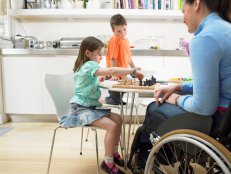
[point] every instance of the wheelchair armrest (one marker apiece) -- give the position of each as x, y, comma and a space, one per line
186, 121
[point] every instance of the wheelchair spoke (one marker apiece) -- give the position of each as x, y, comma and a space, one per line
210, 169
156, 167
195, 152
186, 159
173, 150
165, 156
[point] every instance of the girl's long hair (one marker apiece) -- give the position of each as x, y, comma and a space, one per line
90, 43
222, 7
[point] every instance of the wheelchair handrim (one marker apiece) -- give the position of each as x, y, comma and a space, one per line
186, 138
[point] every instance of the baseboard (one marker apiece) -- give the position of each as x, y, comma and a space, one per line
47, 118
32, 118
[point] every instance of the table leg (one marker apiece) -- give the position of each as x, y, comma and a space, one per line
122, 144
129, 130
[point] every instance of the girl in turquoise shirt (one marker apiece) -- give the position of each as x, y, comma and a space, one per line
85, 102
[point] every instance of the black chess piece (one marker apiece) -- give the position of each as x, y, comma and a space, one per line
149, 82
153, 79
140, 83
146, 82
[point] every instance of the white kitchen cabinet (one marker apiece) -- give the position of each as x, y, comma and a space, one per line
23, 78
22, 85
53, 65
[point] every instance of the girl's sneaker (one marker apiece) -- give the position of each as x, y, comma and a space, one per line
111, 168
118, 160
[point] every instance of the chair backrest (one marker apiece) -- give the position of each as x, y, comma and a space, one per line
60, 87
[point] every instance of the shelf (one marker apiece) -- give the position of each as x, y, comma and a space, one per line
96, 14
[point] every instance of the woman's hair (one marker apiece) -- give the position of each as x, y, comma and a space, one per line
117, 19
91, 44
222, 7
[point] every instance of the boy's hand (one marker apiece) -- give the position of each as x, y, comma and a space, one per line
139, 75
136, 68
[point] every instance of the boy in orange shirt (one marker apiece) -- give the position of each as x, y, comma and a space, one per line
118, 52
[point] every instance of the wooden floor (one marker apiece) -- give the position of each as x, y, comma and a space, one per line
25, 150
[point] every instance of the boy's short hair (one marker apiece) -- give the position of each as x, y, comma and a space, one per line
117, 19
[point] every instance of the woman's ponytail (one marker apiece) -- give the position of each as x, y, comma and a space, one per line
222, 7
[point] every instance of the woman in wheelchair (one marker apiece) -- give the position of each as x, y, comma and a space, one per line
200, 105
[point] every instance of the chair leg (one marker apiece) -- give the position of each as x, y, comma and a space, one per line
121, 149
87, 134
127, 104
51, 150
138, 121
97, 152
81, 145
134, 125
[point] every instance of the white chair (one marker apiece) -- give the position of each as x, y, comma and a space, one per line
60, 88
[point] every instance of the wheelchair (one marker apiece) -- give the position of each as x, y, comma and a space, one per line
183, 145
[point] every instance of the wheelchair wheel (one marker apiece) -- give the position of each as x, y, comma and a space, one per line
188, 152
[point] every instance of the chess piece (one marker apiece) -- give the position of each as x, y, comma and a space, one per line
140, 82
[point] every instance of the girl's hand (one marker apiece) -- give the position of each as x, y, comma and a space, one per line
114, 78
164, 92
102, 78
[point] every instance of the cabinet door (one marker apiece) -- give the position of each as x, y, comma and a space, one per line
22, 85
53, 65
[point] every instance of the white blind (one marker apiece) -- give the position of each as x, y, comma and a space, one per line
2, 10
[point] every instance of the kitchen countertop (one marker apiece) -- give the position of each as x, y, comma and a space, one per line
49, 52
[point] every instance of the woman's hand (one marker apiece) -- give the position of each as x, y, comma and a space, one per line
164, 92
172, 99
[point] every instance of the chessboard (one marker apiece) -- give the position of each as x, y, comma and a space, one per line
135, 85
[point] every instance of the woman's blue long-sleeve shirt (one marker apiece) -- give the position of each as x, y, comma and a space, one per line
210, 51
